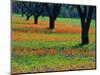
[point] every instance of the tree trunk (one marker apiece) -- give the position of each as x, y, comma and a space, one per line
85, 23
52, 14
84, 33
86, 26
85, 37
22, 14
27, 17
22, 10
51, 25
35, 19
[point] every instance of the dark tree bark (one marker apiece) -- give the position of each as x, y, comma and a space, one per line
51, 23
28, 16
53, 12
35, 12
36, 19
85, 17
22, 10
38, 10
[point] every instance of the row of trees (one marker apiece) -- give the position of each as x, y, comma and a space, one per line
85, 13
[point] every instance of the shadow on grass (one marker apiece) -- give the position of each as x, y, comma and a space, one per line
80, 45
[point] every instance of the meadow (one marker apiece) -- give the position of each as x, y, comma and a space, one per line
35, 48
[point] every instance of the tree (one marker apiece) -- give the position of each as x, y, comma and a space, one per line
22, 9
53, 11
16, 7
34, 9
37, 12
85, 14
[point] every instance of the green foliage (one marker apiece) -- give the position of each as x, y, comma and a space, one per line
68, 11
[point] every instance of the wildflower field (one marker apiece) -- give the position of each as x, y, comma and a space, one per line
35, 48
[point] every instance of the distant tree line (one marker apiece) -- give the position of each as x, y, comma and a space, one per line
66, 11
84, 12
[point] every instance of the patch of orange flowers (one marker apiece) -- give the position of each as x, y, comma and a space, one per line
60, 27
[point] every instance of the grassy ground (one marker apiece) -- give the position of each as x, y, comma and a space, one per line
72, 21
36, 49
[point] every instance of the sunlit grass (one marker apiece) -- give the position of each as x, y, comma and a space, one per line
57, 62
58, 45
72, 21
25, 41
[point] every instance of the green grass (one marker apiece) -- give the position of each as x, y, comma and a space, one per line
72, 21
26, 63
57, 45
37, 60
30, 62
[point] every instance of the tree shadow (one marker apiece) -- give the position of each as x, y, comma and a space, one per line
80, 45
